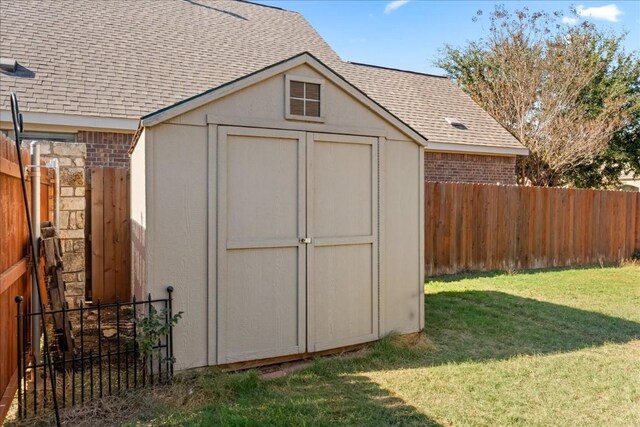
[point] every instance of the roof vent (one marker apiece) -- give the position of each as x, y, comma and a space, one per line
8, 64
455, 123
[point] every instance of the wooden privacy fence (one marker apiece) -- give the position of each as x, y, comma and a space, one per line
494, 227
15, 267
110, 235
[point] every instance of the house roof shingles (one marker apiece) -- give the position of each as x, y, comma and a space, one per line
126, 59
424, 101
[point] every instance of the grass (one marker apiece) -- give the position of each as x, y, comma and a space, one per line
539, 348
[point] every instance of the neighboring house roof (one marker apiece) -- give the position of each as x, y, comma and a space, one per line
129, 58
424, 101
126, 59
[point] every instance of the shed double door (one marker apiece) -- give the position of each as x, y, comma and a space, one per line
297, 242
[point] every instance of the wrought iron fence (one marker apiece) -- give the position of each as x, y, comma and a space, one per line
108, 351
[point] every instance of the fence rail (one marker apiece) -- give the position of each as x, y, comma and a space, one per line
15, 270
110, 354
494, 227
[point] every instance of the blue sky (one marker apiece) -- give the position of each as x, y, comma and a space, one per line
407, 34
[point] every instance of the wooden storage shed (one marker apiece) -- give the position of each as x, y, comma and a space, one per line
286, 208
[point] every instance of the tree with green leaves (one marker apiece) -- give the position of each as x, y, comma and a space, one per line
622, 156
569, 93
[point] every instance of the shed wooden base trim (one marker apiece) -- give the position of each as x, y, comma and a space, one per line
238, 366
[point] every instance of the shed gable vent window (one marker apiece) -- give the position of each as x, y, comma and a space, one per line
304, 98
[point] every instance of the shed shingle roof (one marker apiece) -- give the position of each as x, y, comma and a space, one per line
126, 59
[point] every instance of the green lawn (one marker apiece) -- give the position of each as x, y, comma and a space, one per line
557, 348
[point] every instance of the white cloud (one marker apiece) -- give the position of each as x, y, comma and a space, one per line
610, 12
393, 5
569, 20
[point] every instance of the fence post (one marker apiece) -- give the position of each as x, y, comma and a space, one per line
151, 352
135, 343
18, 301
82, 351
118, 339
170, 292
36, 304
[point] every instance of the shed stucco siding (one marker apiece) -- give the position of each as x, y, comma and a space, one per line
176, 235
401, 278
457, 167
138, 216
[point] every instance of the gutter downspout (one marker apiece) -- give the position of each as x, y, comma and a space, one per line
36, 175
55, 165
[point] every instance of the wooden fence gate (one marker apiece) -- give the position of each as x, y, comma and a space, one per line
110, 235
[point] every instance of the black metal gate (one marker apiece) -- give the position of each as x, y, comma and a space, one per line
117, 347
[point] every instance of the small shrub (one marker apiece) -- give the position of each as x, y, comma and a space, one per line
636, 255
153, 327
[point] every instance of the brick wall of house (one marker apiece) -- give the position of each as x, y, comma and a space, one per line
455, 167
106, 149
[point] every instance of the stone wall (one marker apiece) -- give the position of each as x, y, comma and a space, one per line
455, 167
72, 159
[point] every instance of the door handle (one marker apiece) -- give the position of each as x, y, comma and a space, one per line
306, 240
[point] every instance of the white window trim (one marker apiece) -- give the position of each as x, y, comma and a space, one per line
287, 98
36, 135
